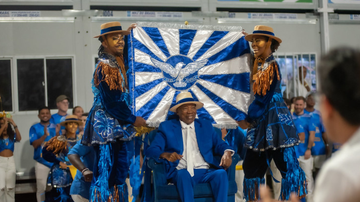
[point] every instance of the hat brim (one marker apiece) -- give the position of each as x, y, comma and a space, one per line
70, 121
250, 36
66, 98
198, 105
123, 32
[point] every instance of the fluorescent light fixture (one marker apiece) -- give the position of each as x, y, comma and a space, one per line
210, 14
344, 22
37, 19
145, 19
79, 13
270, 21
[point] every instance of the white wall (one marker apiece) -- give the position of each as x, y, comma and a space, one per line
344, 35
296, 38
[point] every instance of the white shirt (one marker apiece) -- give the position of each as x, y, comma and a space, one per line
299, 91
199, 161
339, 178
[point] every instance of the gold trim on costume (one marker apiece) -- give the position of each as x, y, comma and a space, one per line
263, 78
112, 75
56, 144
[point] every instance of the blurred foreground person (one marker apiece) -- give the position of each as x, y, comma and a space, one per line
339, 75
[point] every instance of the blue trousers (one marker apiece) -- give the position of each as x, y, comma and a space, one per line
185, 184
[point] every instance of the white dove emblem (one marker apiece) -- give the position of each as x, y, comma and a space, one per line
178, 72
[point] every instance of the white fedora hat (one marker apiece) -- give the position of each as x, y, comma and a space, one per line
185, 98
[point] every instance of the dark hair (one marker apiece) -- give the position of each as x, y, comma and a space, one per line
73, 111
101, 48
85, 114
292, 100
339, 76
302, 68
10, 132
300, 98
44, 107
310, 95
274, 44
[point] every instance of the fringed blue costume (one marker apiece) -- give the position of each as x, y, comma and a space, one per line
56, 151
108, 125
271, 135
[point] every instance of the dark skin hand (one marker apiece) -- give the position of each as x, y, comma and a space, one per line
226, 160
78, 164
172, 157
139, 122
243, 124
39, 141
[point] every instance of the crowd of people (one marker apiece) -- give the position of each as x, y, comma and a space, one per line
84, 156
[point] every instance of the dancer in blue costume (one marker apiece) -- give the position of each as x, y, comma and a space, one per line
271, 132
56, 151
110, 121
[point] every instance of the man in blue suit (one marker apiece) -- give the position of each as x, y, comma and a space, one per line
188, 146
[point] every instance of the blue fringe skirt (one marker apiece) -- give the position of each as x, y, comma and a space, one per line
294, 180
274, 129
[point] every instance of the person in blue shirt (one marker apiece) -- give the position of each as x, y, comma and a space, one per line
82, 156
320, 150
62, 103
39, 134
78, 111
305, 122
236, 139
80, 131
9, 134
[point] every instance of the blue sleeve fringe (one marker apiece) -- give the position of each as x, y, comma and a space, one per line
100, 190
295, 180
63, 196
136, 176
251, 188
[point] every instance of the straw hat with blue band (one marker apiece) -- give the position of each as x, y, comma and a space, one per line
262, 30
71, 119
185, 98
110, 28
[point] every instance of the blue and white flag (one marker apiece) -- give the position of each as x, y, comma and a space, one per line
211, 62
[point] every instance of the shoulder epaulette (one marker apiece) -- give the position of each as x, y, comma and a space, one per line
264, 78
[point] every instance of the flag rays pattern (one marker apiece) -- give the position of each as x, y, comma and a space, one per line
214, 66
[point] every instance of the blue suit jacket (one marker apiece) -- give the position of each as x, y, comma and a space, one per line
169, 139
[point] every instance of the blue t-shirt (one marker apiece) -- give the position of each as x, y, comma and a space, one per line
319, 144
7, 144
36, 132
303, 123
56, 118
87, 156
